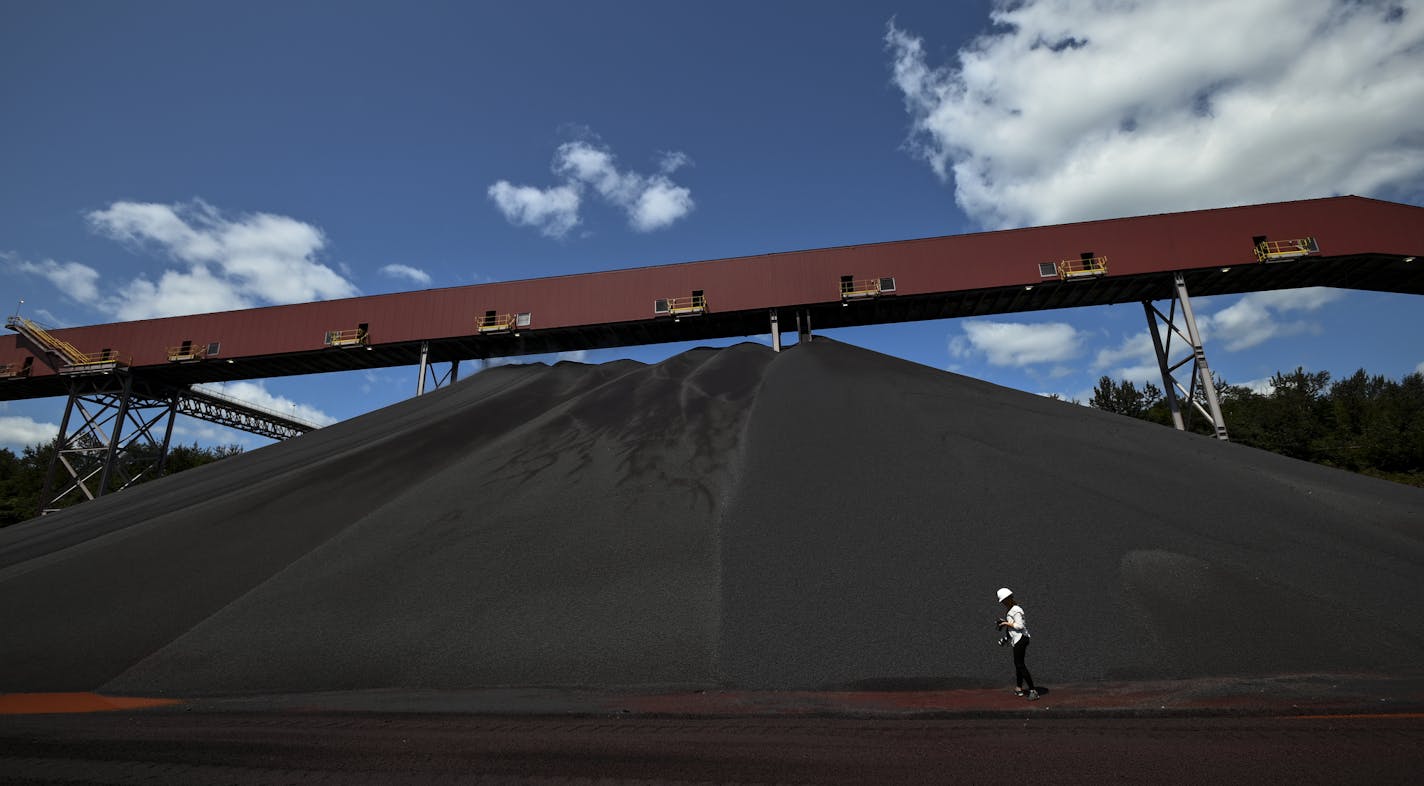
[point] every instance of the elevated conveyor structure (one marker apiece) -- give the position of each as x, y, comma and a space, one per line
1359, 244
1347, 242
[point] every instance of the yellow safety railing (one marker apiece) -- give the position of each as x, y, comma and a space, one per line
867, 287
187, 352
71, 358
1082, 268
48, 342
496, 323
347, 338
106, 357
681, 306
1276, 250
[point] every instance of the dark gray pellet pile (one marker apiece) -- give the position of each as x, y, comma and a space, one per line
823, 518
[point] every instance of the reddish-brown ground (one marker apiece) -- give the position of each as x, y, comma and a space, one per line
359, 748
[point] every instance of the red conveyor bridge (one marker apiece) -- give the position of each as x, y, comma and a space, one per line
1347, 242
1362, 244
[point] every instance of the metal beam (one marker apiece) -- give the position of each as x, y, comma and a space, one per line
95, 458
1200, 388
427, 372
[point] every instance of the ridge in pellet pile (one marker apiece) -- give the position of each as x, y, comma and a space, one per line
826, 517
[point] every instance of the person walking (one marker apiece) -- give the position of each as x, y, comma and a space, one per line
1013, 624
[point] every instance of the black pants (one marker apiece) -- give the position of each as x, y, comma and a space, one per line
1021, 675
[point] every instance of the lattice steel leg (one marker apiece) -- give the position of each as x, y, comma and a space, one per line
95, 458
1200, 380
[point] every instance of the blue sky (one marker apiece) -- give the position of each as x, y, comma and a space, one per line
161, 158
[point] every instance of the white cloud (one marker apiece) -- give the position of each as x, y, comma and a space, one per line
1017, 344
1078, 109
256, 394
553, 210
1260, 317
18, 432
406, 271
197, 291
650, 201
1262, 387
254, 259
187, 429
75, 281
659, 205
48, 319
671, 161
1419, 369
1134, 348
227, 263
1133, 360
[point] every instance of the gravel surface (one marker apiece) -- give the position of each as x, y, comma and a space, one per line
823, 518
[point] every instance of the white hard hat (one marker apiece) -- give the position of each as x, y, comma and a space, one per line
1004, 592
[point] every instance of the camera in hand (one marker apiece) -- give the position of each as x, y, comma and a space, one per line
1003, 632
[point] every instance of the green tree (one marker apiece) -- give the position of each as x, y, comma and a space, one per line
1124, 398
1364, 423
1295, 421
22, 477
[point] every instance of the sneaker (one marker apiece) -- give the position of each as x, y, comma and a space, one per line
1033, 695
1018, 691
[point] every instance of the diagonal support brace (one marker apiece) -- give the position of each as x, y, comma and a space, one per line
1200, 388
427, 372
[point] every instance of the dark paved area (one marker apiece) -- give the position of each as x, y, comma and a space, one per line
241, 748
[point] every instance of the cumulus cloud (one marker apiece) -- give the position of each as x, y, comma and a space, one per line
77, 282
230, 262
1134, 359
554, 211
226, 263
256, 394
406, 271
1262, 316
1017, 344
659, 205
1078, 109
650, 201
18, 432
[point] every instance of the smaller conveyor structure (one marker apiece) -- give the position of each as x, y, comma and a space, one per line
117, 425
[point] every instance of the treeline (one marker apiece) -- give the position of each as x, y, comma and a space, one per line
1363, 423
22, 476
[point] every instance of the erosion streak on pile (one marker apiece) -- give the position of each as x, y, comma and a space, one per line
826, 517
